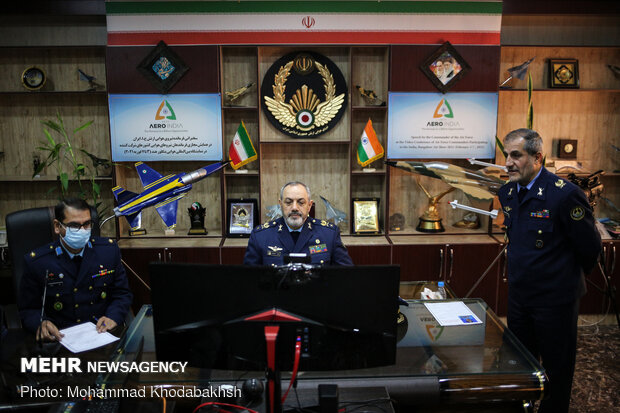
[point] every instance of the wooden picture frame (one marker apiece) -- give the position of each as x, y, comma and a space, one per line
162, 67
564, 73
445, 67
365, 216
241, 217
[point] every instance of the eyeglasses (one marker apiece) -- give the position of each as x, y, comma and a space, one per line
75, 227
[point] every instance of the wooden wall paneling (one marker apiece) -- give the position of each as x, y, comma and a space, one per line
591, 117
369, 70
419, 262
231, 120
340, 56
370, 254
60, 65
233, 251
45, 30
359, 118
561, 29
406, 76
20, 120
593, 70
124, 77
239, 66
407, 198
207, 192
323, 167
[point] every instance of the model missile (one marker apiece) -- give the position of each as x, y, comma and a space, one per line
455, 204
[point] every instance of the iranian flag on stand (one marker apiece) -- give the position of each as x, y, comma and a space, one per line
369, 148
241, 150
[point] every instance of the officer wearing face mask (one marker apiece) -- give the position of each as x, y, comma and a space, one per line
296, 232
82, 277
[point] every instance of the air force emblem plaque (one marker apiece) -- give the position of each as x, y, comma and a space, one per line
304, 94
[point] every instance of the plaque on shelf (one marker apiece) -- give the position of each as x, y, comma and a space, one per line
242, 217
567, 148
564, 73
33, 78
365, 216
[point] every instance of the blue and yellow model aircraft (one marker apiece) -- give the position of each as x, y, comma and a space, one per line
163, 192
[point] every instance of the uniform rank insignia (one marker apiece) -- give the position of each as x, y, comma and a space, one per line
540, 191
560, 183
577, 213
315, 249
540, 214
510, 192
274, 251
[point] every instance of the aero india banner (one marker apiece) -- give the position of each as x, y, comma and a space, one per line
166, 127
434, 125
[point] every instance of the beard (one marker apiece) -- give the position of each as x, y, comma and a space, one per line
294, 220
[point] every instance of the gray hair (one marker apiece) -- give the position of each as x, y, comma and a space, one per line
533, 141
294, 183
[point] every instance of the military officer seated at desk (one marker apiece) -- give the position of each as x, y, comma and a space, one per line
296, 232
82, 277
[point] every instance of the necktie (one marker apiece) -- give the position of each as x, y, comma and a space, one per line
295, 235
522, 193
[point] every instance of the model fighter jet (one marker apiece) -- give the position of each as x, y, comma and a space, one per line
475, 184
162, 191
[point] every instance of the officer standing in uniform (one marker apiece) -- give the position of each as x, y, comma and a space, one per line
552, 243
82, 277
295, 232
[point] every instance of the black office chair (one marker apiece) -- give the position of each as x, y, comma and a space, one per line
26, 230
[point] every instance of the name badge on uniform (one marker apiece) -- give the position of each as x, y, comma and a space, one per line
315, 249
540, 214
274, 251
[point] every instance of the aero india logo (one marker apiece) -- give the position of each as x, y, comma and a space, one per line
443, 110
165, 111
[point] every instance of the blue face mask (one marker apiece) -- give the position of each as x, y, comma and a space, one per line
76, 240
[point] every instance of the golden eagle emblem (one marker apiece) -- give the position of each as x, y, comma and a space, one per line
307, 112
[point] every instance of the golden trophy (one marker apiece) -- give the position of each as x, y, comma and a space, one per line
430, 220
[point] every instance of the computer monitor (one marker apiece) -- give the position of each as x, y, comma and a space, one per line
213, 316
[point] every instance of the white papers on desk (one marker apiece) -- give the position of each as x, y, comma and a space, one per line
452, 313
84, 337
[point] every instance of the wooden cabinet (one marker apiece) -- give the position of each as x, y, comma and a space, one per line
459, 262
137, 254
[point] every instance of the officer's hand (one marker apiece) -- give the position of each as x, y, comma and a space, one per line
47, 331
105, 324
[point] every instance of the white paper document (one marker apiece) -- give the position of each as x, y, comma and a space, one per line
452, 313
84, 337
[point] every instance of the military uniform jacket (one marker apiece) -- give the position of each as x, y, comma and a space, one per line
76, 293
552, 241
321, 240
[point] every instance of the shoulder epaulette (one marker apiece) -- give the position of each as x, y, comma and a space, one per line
103, 241
268, 224
323, 223
41, 251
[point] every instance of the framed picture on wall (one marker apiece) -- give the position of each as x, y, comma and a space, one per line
564, 73
162, 67
242, 217
445, 67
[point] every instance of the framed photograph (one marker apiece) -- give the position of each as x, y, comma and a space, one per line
365, 216
445, 67
564, 73
162, 67
242, 217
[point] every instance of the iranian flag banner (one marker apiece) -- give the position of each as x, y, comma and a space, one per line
369, 148
241, 150
133, 23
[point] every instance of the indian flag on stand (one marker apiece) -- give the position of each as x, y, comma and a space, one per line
241, 150
369, 148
